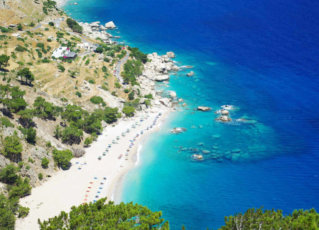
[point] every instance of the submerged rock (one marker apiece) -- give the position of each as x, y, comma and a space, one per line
170, 54
223, 118
178, 130
190, 74
198, 157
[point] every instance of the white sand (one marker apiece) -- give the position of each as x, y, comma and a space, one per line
76, 186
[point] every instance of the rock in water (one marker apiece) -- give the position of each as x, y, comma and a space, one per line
172, 94
190, 74
178, 130
170, 54
197, 157
110, 25
204, 108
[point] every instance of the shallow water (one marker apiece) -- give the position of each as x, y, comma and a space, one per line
260, 56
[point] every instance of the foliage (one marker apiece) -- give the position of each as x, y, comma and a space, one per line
77, 93
138, 55
131, 95
132, 69
20, 189
20, 48
62, 158
26, 118
45, 163
101, 215
110, 115
128, 111
61, 68
4, 60
97, 100
74, 25
26, 74
12, 148
12, 98
149, 96
5, 122
99, 50
9, 174
88, 141
72, 135
49, 5
40, 176
7, 213
31, 135
23, 211
271, 219
44, 109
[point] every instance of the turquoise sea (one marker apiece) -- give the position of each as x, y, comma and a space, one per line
260, 56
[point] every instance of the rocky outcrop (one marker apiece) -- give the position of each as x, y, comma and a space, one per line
78, 152
159, 67
110, 25
94, 30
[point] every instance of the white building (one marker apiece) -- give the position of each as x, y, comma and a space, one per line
63, 52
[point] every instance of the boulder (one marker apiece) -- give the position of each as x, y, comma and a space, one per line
172, 94
224, 118
78, 152
190, 74
204, 108
170, 54
197, 157
178, 130
165, 102
161, 78
110, 25
224, 112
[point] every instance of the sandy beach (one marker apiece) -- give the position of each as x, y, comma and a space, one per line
97, 173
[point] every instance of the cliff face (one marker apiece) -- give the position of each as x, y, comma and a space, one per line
22, 11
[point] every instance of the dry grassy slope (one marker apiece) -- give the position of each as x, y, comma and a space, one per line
50, 82
20, 11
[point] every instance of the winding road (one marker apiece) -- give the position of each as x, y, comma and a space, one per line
119, 64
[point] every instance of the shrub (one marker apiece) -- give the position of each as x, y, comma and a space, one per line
9, 174
31, 135
40, 176
109, 215
74, 25
45, 163
131, 96
117, 85
23, 211
12, 148
77, 93
51, 23
88, 141
72, 135
97, 100
61, 68
91, 81
5, 122
128, 111
20, 48
62, 158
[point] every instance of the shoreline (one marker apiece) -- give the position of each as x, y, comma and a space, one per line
89, 178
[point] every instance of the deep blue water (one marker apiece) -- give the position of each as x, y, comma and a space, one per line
260, 56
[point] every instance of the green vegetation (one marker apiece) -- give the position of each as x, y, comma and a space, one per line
128, 111
132, 69
138, 55
5, 122
25, 118
77, 93
7, 213
44, 109
12, 148
131, 95
97, 100
4, 60
74, 25
62, 158
12, 98
72, 135
25, 76
88, 141
101, 215
61, 68
48, 6
271, 219
45, 163
20, 48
